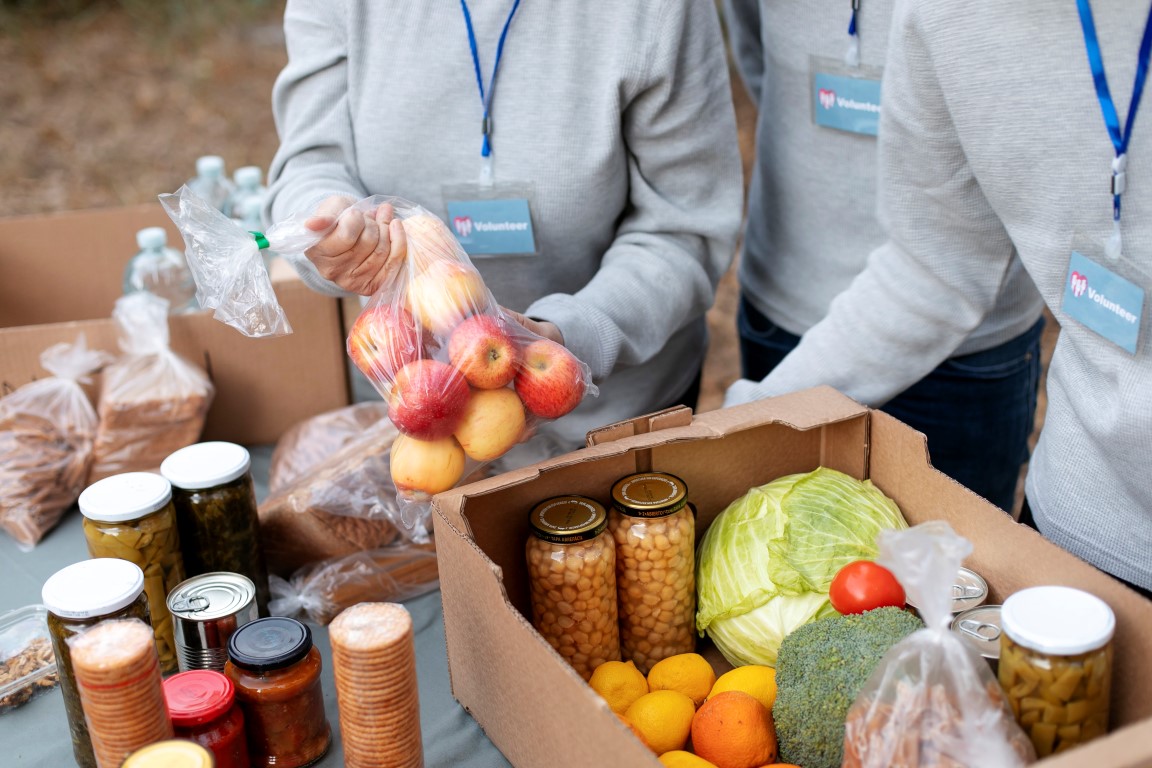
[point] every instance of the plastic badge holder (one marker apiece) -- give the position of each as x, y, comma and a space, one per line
27, 664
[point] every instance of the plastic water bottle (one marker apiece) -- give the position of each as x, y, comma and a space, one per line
212, 184
161, 271
248, 200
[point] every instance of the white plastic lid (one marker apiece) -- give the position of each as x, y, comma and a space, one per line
205, 465
1057, 620
92, 588
151, 238
123, 497
210, 165
248, 176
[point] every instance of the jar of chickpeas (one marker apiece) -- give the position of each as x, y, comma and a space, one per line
1056, 665
655, 532
572, 574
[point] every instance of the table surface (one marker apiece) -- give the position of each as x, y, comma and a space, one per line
36, 734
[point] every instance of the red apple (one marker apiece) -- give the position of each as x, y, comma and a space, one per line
444, 294
483, 350
422, 468
383, 340
493, 422
550, 379
427, 399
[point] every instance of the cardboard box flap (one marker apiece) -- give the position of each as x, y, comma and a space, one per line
677, 416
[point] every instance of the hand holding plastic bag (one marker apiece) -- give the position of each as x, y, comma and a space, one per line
932, 701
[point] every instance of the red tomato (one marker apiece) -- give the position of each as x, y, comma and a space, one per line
864, 585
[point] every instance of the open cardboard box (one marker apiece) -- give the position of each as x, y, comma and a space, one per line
60, 275
539, 712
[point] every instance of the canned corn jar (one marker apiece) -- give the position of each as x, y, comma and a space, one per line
655, 533
572, 576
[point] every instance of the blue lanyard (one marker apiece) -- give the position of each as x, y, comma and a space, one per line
486, 99
852, 58
1107, 106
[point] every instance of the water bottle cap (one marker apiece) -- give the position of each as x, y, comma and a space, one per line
248, 176
151, 238
210, 165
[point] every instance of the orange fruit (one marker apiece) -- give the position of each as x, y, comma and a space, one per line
734, 730
619, 683
664, 718
634, 729
754, 679
678, 758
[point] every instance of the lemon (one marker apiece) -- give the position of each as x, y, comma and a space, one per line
754, 679
619, 683
678, 758
688, 673
664, 719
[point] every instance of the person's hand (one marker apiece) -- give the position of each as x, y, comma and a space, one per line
363, 249
539, 327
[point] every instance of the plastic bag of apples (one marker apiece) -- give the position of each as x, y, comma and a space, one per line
464, 381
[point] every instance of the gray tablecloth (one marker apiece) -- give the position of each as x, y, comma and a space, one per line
36, 734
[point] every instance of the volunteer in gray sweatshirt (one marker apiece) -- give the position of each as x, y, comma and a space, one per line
611, 131
812, 222
993, 143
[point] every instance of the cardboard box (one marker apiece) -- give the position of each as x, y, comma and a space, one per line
61, 274
539, 712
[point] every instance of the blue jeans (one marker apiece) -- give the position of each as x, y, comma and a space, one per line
976, 410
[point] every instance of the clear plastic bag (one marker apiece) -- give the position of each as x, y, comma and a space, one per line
320, 591
932, 702
313, 440
231, 278
153, 401
46, 433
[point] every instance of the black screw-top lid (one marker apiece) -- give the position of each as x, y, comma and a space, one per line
270, 643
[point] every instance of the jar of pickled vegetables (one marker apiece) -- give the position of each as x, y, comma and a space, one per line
203, 708
216, 510
655, 532
1056, 665
130, 516
276, 671
572, 578
79, 597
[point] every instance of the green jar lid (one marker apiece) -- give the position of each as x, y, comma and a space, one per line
568, 519
649, 494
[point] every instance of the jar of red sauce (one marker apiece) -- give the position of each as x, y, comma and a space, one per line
203, 708
276, 671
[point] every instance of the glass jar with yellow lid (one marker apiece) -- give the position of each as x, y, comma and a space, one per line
1056, 664
655, 532
572, 579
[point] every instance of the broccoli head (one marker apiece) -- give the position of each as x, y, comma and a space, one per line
820, 670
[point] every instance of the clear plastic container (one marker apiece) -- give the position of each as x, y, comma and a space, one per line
130, 516
1056, 665
248, 199
572, 576
212, 184
655, 532
161, 271
27, 663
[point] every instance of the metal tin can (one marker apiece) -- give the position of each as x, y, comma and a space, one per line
980, 628
968, 590
206, 610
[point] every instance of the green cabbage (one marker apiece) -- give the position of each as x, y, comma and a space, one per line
765, 564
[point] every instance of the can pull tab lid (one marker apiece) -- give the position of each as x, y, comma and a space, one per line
981, 630
965, 591
192, 604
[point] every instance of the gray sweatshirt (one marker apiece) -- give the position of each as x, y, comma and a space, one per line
619, 117
812, 199
992, 142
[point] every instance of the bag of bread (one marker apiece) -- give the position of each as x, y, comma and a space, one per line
313, 440
932, 702
46, 433
153, 402
320, 591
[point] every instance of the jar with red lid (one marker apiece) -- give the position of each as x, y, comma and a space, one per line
276, 671
203, 708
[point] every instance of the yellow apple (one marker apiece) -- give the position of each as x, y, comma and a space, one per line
422, 468
446, 293
493, 422
429, 240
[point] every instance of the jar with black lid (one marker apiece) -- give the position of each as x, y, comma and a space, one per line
215, 504
79, 597
655, 532
276, 671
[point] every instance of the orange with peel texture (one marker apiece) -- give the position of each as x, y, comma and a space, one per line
634, 729
755, 679
734, 730
619, 683
678, 758
689, 673
664, 719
